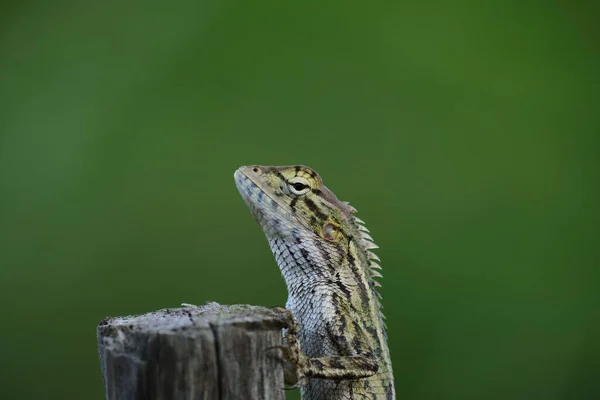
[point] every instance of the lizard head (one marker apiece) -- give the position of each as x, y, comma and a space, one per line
291, 200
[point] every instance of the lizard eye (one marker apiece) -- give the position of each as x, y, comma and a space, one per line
298, 186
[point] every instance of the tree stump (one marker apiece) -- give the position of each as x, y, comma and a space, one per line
210, 352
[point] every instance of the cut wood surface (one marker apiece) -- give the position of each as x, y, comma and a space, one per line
211, 352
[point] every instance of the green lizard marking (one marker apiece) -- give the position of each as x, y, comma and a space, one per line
338, 347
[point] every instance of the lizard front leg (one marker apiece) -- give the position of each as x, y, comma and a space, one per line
359, 363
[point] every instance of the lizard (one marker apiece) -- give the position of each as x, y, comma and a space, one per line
336, 346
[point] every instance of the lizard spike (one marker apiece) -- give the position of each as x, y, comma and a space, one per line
363, 228
369, 245
376, 284
374, 265
373, 256
365, 235
360, 221
376, 274
347, 204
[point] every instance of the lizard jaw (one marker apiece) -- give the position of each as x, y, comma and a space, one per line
268, 209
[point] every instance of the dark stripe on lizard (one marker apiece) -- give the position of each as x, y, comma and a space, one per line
315, 209
343, 288
358, 277
280, 176
326, 257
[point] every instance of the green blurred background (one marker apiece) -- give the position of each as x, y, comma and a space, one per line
465, 132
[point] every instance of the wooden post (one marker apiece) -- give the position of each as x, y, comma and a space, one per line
210, 352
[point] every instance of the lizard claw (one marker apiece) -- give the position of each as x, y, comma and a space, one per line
301, 382
292, 370
286, 315
295, 362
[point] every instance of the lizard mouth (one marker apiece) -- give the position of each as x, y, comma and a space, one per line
261, 201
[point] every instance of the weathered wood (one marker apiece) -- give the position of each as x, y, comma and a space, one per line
208, 352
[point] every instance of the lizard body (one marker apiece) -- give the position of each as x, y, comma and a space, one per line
338, 349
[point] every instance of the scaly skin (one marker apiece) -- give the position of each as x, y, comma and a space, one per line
338, 349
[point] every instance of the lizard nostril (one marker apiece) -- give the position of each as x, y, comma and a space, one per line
255, 169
